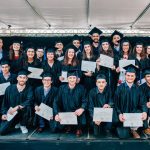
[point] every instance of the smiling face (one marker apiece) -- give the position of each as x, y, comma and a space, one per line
95, 37
125, 47
30, 53
5, 69
71, 53
105, 46
130, 77
115, 39
47, 81
147, 78
16, 46
148, 50
40, 53
139, 49
59, 46
87, 49
72, 80
50, 56
22, 79
76, 43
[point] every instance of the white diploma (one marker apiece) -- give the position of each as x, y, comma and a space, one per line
68, 118
64, 75
3, 87
103, 114
9, 116
133, 120
125, 62
45, 111
35, 73
60, 58
106, 61
88, 66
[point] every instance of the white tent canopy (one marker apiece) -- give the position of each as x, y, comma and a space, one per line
74, 14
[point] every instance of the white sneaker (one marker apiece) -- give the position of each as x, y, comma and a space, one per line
17, 126
24, 130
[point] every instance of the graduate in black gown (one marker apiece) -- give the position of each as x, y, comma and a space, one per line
45, 94
147, 60
88, 78
53, 66
30, 60
6, 76
15, 56
70, 62
106, 49
95, 37
40, 54
18, 97
100, 97
71, 98
145, 91
128, 99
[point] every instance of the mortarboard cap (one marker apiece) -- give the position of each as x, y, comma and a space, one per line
131, 68
72, 73
146, 71
50, 50
104, 39
23, 72
101, 76
5, 62
46, 74
86, 43
76, 37
95, 30
116, 33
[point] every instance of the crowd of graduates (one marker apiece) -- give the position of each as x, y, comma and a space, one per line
120, 89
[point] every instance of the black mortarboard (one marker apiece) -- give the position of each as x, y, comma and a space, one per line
46, 74
50, 50
116, 33
30, 47
23, 72
139, 43
58, 41
146, 71
17, 41
5, 62
86, 43
104, 39
76, 37
124, 40
95, 30
101, 76
131, 68
72, 73
70, 46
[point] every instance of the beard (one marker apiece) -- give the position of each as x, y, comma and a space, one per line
21, 83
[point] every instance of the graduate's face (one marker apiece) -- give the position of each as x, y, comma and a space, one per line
50, 56
148, 50
16, 46
125, 47
95, 37
72, 80
30, 53
59, 46
147, 78
1, 43
47, 81
101, 84
87, 49
40, 53
5, 68
76, 43
105, 46
22, 79
115, 40
130, 77
139, 49
71, 53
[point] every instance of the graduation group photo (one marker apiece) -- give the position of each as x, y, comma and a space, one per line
75, 83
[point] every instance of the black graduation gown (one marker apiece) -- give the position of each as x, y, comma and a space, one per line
96, 50
12, 79
145, 92
13, 98
55, 70
41, 98
147, 62
36, 64
69, 100
88, 82
128, 100
97, 99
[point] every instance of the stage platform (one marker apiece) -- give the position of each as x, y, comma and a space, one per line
62, 141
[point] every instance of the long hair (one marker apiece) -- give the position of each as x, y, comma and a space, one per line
129, 51
109, 52
84, 56
142, 55
12, 54
74, 61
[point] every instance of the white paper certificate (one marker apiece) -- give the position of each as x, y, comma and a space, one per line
106, 61
9, 116
45, 111
125, 62
103, 114
3, 87
64, 75
68, 118
60, 58
133, 120
35, 73
88, 66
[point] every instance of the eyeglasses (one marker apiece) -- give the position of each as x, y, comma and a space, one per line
46, 80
